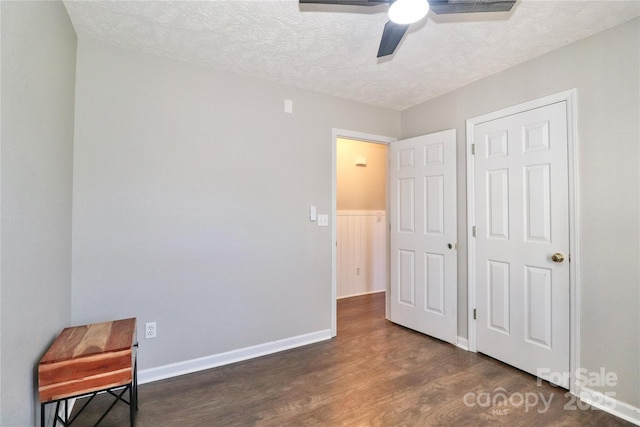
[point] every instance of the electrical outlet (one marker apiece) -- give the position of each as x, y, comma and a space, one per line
150, 330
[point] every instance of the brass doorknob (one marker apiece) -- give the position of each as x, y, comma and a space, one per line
557, 257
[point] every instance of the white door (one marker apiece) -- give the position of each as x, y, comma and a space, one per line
422, 213
522, 236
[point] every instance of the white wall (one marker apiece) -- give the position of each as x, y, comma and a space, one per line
191, 196
361, 188
605, 71
38, 69
361, 253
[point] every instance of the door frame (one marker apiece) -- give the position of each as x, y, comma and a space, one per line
359, 136
569, 97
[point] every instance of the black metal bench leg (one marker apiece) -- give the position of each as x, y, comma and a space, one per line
132, 406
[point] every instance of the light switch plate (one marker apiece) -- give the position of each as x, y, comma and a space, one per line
323, 220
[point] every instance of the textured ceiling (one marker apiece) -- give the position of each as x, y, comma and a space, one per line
332, 49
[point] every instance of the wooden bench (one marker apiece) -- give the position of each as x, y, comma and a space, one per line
86, 360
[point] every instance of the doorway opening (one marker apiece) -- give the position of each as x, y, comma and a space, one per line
361, 231
359, 224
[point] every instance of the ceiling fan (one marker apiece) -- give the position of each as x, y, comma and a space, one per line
403, 13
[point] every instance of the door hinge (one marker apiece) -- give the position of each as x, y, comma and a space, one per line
473, 231
474, 314
473, 149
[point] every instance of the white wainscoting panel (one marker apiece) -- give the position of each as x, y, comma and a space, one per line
361, 252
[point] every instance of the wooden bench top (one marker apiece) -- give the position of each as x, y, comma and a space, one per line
87, 358
86, 340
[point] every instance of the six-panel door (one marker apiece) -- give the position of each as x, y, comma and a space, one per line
422, 177
522, 214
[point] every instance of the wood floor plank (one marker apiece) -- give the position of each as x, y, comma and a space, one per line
374, 373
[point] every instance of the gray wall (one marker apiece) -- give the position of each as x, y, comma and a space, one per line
38, 69
605, 71
191, 196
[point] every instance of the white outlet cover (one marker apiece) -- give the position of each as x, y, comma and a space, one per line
150, 330
323, 220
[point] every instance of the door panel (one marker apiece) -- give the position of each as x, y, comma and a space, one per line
406, 205
434, 267
522, 213
538, 306
499, 306
423, 222
434, 208
406, 277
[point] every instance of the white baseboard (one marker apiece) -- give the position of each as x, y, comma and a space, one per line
611, 405
215, 360
51, 413
463, 343
362, 213
363, 293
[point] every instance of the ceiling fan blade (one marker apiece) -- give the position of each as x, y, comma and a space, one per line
470, 6
391, 37
347, 2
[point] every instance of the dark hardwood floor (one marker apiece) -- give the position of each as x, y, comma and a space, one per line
374, 373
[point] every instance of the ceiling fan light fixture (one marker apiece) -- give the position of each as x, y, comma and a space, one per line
406, 12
